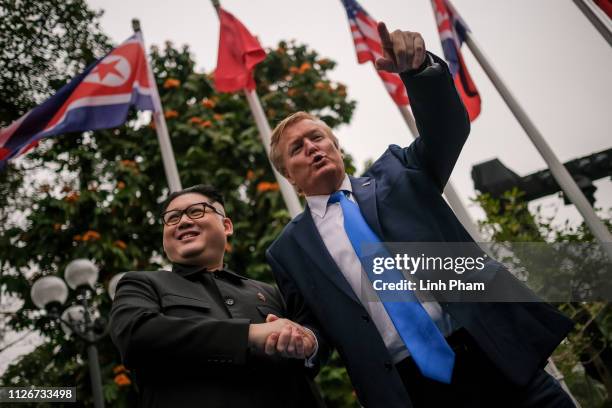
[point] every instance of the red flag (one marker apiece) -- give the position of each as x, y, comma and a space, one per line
369, 47
606, 6
239, 52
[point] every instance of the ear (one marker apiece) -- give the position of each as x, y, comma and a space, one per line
292, 181
228, 226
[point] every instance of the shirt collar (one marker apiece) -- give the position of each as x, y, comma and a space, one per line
318, 203
189, 271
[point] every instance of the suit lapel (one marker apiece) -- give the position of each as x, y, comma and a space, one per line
364, 189
307, 237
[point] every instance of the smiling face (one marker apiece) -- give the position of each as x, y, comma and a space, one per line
311, 160
197, 242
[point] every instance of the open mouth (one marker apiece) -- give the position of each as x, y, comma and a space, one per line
187, 234
319, 160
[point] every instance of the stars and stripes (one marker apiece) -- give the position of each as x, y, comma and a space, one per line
369, 48
98, 98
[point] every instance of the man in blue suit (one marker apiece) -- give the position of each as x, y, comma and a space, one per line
405, 354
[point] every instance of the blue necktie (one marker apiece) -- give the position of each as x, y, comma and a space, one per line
428, 348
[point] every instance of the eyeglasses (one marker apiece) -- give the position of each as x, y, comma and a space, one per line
194, 211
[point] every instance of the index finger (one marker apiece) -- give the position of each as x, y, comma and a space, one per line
385, 38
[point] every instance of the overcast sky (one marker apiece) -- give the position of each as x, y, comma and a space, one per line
554, 61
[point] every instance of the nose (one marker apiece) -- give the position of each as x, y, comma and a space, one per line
184, 222
309, 146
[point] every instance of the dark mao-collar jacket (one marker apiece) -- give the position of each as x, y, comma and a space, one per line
183, 334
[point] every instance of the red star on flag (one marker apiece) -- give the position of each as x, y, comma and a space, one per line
104, 69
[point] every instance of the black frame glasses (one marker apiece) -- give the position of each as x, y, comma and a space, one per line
191, 214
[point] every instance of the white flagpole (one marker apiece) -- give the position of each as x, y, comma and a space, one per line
449, 191
174, 182
287, 190
559, 172
597, 17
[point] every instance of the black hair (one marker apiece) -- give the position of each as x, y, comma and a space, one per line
204, 189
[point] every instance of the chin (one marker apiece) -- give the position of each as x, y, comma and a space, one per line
327, 178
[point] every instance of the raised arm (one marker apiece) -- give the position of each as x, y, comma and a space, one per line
440, 116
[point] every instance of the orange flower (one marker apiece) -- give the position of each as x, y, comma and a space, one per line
195, 120
122, 380
128, 163
305, 67
294, 70
66, 189
271, 113
119, 369
323, 61
77, 238
57, 227
44, 188
341, 89
208, 103
218, 116
120, 244
250, 175
120, 185
91, 236
72, 197
152, 124
291, 92
266, 186
169, 114
320, 85
206, 124
171, 83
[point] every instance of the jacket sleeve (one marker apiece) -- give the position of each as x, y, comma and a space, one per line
147, 338
441, 119
298, 311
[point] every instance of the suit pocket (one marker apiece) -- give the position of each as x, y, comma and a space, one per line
170, 301
266, 310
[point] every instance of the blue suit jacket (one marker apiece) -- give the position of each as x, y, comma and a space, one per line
400, 198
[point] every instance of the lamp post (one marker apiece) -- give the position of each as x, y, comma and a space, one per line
50, 293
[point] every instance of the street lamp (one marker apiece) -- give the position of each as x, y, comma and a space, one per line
50, 293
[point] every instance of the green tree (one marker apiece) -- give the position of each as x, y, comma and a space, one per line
101, 193
585, 359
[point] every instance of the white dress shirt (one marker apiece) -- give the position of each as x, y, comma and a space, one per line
329, 221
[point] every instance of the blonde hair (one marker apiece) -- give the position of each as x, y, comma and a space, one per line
275, 155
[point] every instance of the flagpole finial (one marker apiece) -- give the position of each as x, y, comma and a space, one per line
136, 25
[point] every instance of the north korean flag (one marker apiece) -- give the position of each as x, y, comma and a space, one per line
99, 98
452, 31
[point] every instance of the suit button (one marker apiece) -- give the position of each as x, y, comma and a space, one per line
365, 318
388, 365
229, 301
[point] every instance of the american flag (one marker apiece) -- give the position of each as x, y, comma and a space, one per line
369, 48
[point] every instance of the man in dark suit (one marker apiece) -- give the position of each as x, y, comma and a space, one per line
202, 335
431, 354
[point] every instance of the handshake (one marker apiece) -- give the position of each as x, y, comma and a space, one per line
282, 338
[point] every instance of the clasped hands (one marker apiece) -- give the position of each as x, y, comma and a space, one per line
281, 337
